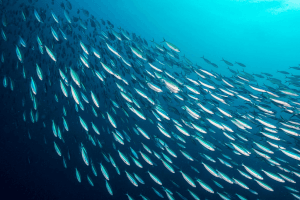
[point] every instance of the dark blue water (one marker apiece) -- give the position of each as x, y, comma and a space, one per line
261, 34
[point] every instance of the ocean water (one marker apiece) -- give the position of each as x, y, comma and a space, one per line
261, 34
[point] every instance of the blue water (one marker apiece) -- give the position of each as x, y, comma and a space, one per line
264, 35
251, 33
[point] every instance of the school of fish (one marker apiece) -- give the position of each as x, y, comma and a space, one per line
152, 104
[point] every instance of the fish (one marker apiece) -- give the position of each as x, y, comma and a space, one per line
146, 102
240, 64
84, 154
227, 62
154, 178
283, 72
171, 46
57, 149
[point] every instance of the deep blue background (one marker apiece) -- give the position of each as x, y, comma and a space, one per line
265, 40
